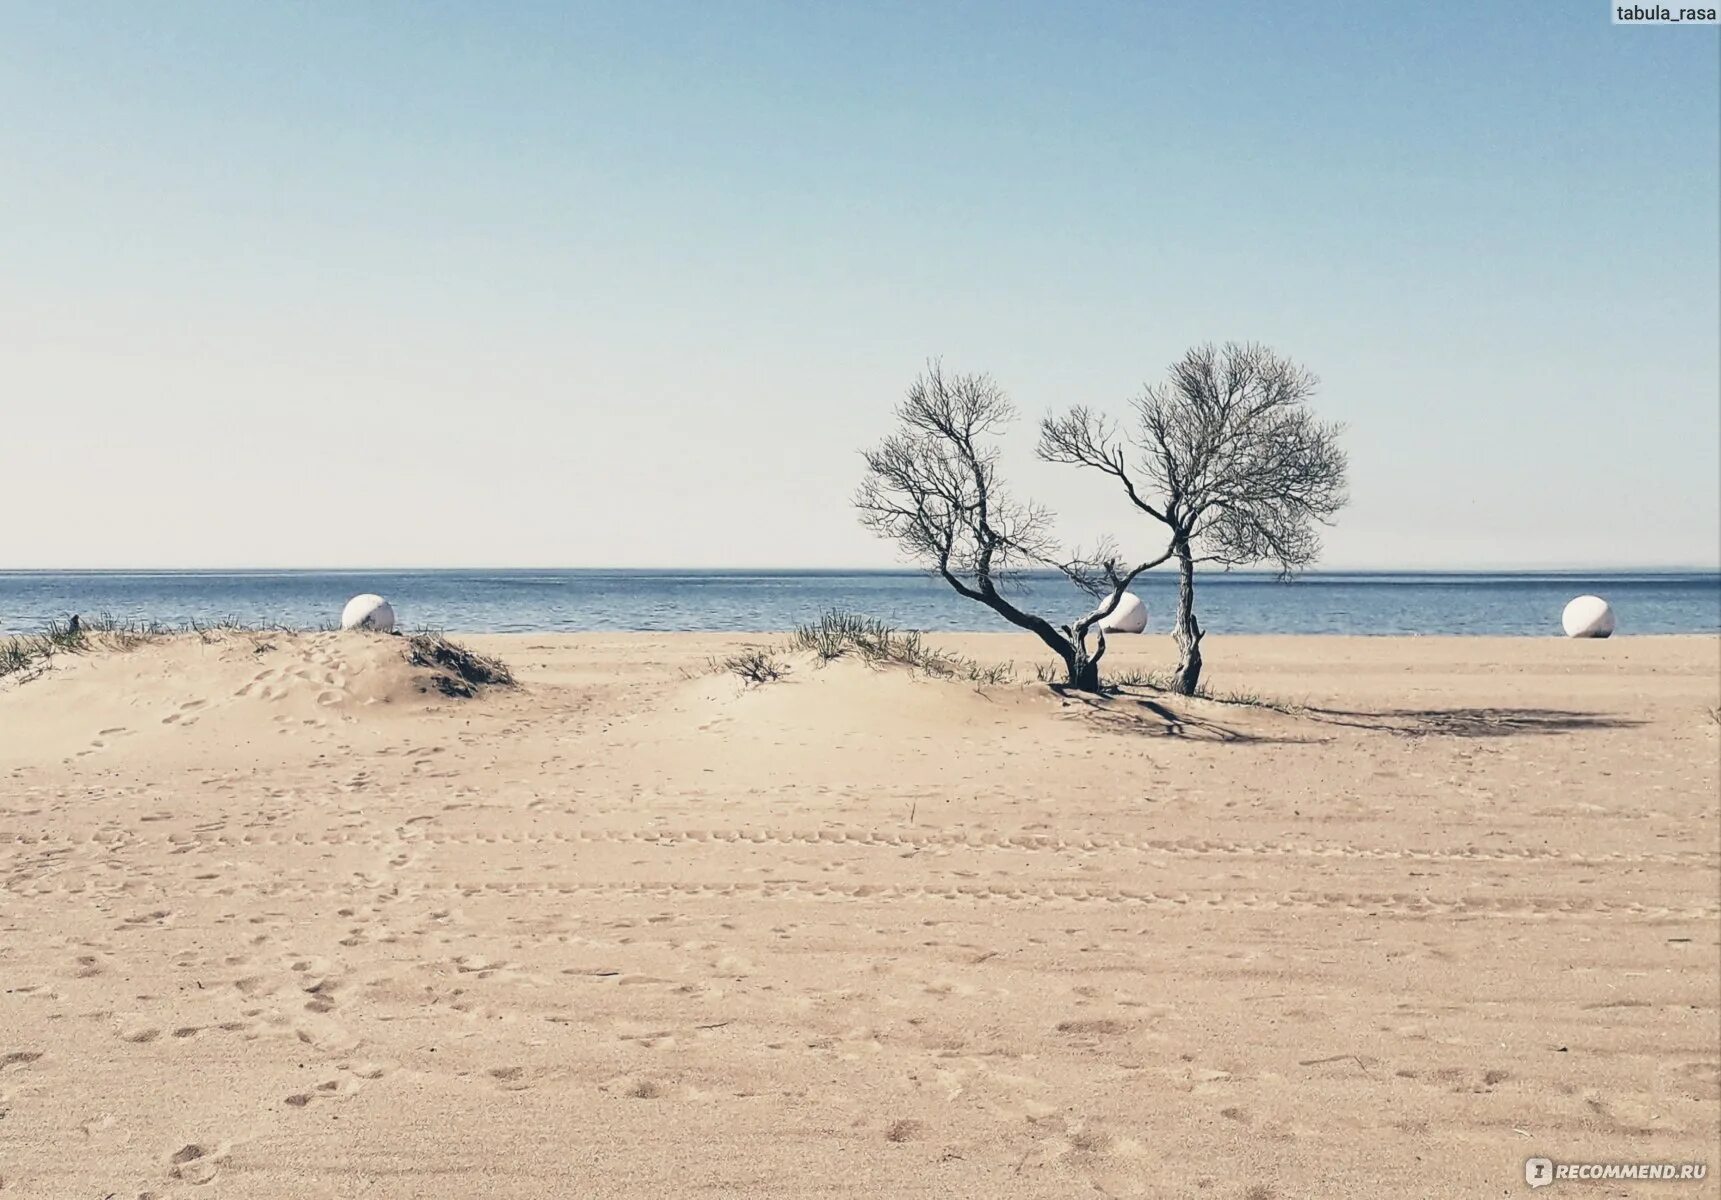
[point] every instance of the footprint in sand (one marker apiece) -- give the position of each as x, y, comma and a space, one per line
322, 995
905, 1131
86, 966
186, 714
1093, 1027
327, 1089
193, 1163
358, 1074
103, 1130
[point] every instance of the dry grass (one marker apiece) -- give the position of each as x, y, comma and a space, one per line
753, 665
455, 670
838, 634
25, 656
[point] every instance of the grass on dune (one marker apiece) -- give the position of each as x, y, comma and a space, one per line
837, 634
25, 656
459, 671
752, 665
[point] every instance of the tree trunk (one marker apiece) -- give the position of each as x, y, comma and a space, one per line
1081, 672
1086, 676
1188, 629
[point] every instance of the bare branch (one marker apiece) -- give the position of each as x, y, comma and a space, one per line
1084, 439
1226, 454
933, 489
1247, 470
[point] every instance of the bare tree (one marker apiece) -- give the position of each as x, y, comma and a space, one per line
1228, 457
932, 488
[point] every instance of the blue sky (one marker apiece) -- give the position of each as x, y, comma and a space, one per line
571, 285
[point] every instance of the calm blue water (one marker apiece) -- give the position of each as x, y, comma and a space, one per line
757, 601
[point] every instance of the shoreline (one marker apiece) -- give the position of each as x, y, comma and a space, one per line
1114, 640
1411, 604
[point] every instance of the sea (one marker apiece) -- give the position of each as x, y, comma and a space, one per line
517, 601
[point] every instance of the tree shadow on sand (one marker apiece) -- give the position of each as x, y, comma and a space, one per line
1464, 722
1123, 712
1141, 716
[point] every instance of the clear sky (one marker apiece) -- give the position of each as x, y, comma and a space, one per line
339, 284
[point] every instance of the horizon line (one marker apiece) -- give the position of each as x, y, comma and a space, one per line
1491, 569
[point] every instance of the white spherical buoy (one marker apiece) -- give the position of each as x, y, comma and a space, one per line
368, 612
1588, 617
1130, 615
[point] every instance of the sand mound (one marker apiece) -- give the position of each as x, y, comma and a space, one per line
824, 722
890, 699
833, 722
848, 693
232, 682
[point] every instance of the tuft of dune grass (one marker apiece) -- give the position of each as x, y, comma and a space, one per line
837, 634
456, 670
25, 656
752, 665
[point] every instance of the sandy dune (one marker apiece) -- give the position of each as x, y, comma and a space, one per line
279, 924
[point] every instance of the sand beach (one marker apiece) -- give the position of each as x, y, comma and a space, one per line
277, 922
